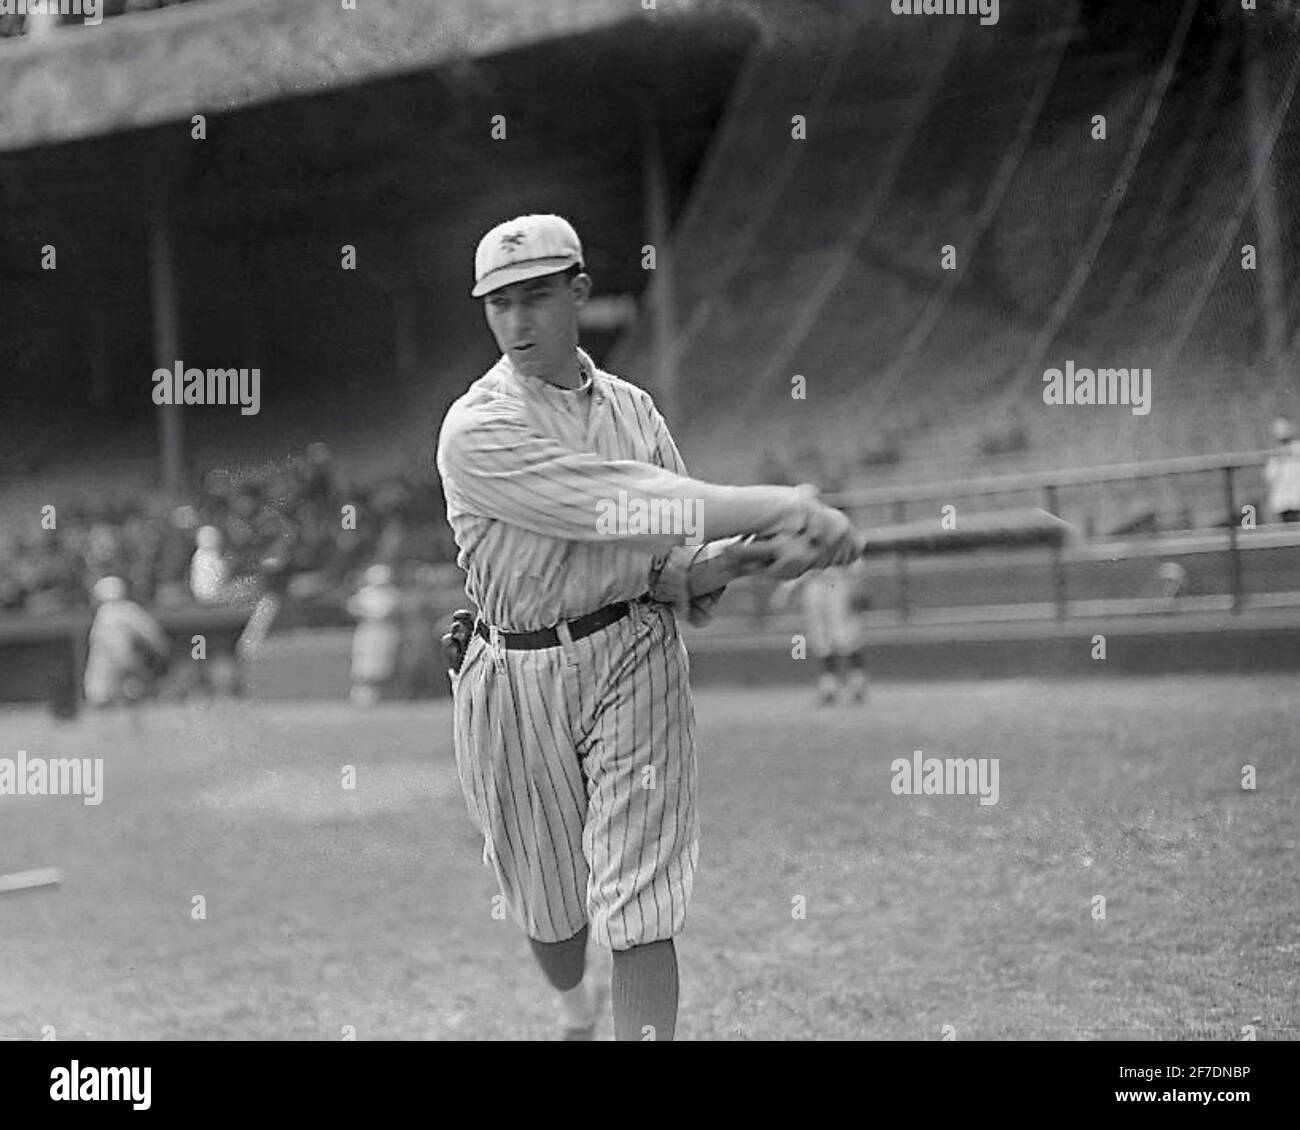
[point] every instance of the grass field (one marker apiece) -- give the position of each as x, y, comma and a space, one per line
371, 907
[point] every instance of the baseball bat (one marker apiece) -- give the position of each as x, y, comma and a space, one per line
995, 529
999, 528
26, 880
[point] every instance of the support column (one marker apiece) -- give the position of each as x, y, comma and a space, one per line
1234, 549
1271, 278
900, 565
1059, 594
166, 344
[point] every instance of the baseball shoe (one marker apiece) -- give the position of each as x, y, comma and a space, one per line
828, 688
599, 1003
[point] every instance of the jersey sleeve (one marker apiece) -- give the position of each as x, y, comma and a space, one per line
670, 571
495, 464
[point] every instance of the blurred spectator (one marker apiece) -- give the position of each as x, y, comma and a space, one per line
48, 574
317, 475
127, 653
291, 510
1282, 474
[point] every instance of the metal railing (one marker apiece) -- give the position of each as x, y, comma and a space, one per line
1052, 488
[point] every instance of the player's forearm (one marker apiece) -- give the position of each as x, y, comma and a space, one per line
712, 511
729, 511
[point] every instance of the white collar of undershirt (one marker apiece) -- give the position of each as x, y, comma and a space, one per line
585, 365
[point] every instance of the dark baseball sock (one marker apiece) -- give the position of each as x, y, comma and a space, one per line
829, 664
563, 962
645, 991
855, 660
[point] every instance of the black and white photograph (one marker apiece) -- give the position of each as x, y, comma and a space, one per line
731, 521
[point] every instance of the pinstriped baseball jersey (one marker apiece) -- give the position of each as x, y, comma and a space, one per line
577, 762
526, 467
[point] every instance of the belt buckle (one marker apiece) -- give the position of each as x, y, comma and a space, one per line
497, 644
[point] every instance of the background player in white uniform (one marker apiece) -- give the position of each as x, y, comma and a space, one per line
574, 724
833, 624
127, 651
1282, 474
377, 605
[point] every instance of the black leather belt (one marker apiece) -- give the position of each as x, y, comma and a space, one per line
578, 629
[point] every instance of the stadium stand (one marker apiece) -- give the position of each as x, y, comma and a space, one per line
862, 203
819, 256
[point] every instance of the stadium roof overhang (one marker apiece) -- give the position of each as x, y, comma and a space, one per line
316, 113
216, 56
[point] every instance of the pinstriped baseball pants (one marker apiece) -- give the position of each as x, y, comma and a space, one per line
578, 766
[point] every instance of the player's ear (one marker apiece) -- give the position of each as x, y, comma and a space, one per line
581, 288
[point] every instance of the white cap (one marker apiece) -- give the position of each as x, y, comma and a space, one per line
524, 248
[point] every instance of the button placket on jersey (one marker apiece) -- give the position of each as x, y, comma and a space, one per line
595, 418
590, 443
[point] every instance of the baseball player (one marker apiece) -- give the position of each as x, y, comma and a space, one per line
573, 716
127, 652
1282, 474
209, 571
829, 601
377, 605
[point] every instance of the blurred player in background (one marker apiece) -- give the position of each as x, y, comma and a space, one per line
128, 650
378, 639
831, 600
1282, 474
209, 573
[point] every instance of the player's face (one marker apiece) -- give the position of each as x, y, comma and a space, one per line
535, 322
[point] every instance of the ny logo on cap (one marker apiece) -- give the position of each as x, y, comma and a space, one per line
512, 240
